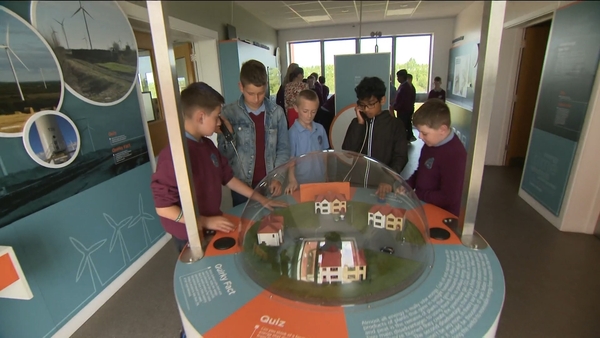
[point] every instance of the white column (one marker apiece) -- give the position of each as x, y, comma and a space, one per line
485, 87
165, 61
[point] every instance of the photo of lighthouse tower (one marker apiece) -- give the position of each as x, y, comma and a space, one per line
51, 139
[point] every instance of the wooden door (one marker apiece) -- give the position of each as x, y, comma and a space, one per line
528, 83
186, 73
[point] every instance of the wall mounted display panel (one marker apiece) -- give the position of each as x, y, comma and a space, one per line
566, 86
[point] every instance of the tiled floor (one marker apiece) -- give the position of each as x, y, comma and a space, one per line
552, 278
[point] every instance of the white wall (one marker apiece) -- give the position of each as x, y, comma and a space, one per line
510, 49
468, 23
215, 15
441, 29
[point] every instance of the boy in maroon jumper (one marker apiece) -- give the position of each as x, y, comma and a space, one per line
201, 106
439, 177
437, 92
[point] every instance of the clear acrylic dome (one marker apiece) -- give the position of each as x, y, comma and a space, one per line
336, 242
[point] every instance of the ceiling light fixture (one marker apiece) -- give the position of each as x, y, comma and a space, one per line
404, 11
316, 18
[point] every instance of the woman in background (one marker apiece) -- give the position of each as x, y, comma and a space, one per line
292, 89
281, 92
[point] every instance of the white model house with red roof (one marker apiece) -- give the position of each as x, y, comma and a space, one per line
358, 272
270, 230
330, 203
333, 270
386, 217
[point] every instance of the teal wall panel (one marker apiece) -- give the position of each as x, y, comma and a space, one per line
230, 70
547, 168
351, 69
73, 249
76, 229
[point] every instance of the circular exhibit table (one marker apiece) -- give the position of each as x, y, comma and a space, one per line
461, 295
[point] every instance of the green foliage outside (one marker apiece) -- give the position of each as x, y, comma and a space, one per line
274, 81
420, 73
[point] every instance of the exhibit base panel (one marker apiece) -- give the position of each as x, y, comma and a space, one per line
461, 294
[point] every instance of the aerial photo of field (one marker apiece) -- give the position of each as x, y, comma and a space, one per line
94, 44
30, 78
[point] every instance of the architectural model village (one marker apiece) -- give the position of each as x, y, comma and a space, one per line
327, 241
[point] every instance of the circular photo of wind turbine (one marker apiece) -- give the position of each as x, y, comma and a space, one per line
30, 75
94, 44
51, 139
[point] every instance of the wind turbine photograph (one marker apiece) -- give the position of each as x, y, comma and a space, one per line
30, 76
97, 50
52, 139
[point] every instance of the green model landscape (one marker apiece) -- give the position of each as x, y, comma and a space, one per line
273, 268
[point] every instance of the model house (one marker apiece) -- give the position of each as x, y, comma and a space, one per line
270, 230
330, 203
332, 270
386, 217
358, 272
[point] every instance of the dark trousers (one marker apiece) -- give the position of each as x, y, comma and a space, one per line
406, 119
179, 243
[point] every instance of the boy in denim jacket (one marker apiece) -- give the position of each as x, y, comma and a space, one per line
260, 134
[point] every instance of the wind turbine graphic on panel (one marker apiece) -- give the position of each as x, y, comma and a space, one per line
84, 13
43, 79
8, 52
62, 25
86, 260
118, 235
142, 217
54, 37
89, 130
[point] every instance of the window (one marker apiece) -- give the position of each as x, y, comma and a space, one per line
330, 49
367, 45
274, 80
390, 219
307, 55
351, 269
413, 54
334, 277
377, 217
351, 277
336, 204
333, 269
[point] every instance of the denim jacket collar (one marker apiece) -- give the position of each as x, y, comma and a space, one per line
269, 108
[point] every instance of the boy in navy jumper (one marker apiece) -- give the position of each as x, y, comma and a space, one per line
439, 177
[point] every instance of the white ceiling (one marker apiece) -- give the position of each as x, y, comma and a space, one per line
301, 14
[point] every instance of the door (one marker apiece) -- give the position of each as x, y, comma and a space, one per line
597, 230
149, 85
183, 63
528, 83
